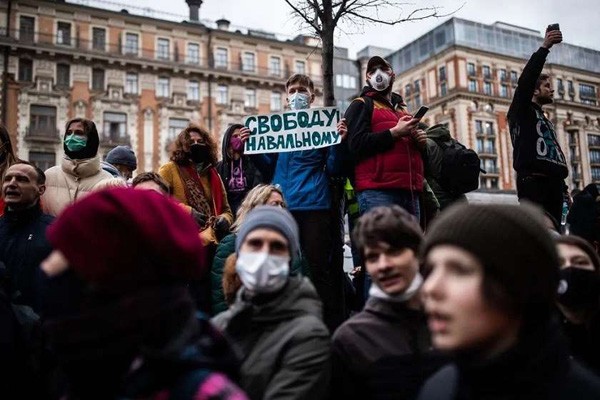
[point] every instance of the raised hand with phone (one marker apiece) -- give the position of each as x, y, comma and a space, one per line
553, 36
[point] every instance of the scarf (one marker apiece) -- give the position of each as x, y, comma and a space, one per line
194, 190
412, 289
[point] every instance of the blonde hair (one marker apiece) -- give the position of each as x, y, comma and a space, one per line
255, 197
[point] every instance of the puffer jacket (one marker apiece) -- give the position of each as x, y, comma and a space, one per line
303, 175
433, 168
73, 180
283, 342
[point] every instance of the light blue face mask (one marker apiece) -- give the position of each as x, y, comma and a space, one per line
299, 101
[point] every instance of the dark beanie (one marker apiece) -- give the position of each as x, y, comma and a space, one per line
271, 217
516, 250
122, 155
120, 239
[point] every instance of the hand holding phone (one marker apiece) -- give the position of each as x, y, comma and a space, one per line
553, 36
553, 27
419, 114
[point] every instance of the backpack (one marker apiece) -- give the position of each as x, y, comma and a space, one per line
460, 168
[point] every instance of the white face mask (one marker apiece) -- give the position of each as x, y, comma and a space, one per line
380, 80
262, 272
299, 101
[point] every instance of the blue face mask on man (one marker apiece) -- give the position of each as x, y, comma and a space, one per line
299, 101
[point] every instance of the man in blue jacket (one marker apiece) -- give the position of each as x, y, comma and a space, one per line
304, 179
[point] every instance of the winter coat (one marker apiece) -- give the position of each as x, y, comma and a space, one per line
23, 246
303, 175
283, 343
225, 249
433, 167
72, 180
538, 367
111, 169
170, 173
252, 175
535, 146
383, 352
381, 162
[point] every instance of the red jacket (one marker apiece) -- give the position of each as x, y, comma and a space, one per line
399, 166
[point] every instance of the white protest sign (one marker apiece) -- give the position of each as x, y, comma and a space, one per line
312, 128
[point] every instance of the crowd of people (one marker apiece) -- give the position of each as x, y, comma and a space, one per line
223, 279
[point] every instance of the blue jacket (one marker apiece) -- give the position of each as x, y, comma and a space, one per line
303, 175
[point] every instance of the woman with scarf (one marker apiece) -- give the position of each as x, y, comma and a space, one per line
120, 319
492, 273
195, 182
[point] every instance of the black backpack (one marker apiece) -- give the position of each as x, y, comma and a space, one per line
460, 168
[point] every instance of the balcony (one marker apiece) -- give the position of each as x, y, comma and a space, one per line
48, 135
114, 139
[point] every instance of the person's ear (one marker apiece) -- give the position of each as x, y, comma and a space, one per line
41, 189
312, 98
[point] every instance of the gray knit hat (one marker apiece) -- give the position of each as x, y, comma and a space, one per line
516, 250
271, 217
123, 155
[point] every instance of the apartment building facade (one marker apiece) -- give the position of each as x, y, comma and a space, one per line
466, 72
140, 79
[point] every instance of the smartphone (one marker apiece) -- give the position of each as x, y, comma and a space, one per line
421, 112
553, 27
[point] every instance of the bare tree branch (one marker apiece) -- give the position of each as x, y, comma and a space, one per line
302, 15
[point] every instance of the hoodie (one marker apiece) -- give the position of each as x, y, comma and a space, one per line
251, 175
283, 342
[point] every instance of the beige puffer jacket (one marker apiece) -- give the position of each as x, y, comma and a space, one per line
73, 180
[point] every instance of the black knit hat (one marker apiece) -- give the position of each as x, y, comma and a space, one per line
516, 250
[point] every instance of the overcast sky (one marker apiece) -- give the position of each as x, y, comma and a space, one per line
579, 19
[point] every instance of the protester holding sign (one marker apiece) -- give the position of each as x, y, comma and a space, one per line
303, 171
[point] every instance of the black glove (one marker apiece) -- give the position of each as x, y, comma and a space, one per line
221, 227
199, 218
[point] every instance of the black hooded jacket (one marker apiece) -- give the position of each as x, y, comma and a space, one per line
252, 175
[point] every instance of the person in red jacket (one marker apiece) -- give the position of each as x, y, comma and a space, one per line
385, 144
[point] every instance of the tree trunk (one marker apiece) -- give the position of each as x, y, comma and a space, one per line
327, 66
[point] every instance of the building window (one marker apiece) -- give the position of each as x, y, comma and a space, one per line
97, 79
42, 121
596, 174
513, 77
115, 127
131, 43
176, 125
595, 156
26, 29
489, 128
502, 75
487, 88
300, 67
275, 66
222, 94
248, 62
163, 49
25, 70
63, 33
417, 100
193, 91
250, 98
345, 81
489, 165
99, 39
417, 86
472, 85
443, 89
407, 91
594, 140
560, 87
487, 72
571, 89
221, 58
442, 73
193, 53
587, 94
503, 90
470, 69
42, 160
275, 101
162, 88
131, 83
479, 127
63, 75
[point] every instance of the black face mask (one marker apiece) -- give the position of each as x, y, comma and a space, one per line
62, 294
199, 152
578, 289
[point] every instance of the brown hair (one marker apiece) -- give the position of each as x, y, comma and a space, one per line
389, 224
7, 145
152, 177
582, 244
302, 80
181, 153
542, 78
